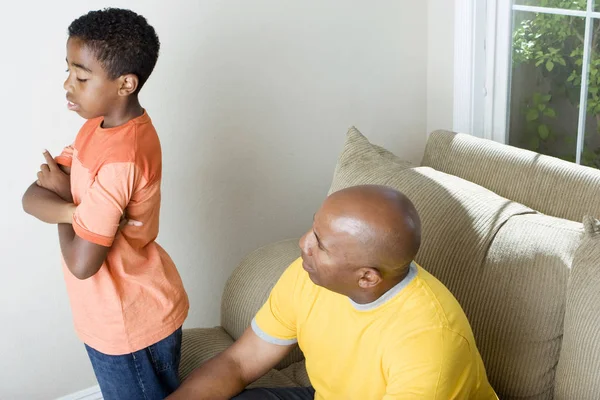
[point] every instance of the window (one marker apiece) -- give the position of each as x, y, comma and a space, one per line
534, 81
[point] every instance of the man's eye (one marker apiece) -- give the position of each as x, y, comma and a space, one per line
82, 80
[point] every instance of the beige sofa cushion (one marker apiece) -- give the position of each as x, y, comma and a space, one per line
578, 372
198, 345
506, 264
546, 184
361, 161
517, 302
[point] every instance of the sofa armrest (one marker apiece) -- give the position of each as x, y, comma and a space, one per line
201, 344
249, 286
198, 345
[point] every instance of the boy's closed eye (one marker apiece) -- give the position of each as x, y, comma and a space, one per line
79, 79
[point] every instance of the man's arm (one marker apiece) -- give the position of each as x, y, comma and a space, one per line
227, 374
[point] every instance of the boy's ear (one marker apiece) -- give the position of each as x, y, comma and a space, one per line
129, 84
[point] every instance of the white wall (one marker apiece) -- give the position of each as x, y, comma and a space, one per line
252, 101
440, 64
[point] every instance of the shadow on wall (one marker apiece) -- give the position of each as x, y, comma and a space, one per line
262, 106
242, 175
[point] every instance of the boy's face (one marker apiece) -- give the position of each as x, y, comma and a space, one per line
90, 93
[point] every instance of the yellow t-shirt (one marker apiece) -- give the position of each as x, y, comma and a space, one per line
412, 343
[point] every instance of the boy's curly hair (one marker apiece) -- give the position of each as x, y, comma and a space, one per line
122, 41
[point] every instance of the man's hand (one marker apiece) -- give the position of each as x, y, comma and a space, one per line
52, 177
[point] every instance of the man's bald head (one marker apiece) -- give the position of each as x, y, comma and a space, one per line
381, 218
362, 230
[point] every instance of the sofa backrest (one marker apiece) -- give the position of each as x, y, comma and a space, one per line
515, 302
546, 184
507, 264
578, 371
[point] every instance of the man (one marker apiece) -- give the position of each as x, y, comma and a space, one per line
371, 323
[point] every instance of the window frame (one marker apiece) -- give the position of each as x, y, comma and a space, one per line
482, 65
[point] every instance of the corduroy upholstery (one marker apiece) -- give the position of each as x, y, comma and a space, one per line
578, 372
516, 303
546, 184
506, 262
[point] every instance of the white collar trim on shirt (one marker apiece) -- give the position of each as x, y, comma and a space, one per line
412, 273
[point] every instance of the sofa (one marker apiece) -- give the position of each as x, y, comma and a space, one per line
510, 232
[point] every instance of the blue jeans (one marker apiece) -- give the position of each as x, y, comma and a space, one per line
294, 393
147, 374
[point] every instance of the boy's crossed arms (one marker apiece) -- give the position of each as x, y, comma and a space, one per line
49, 199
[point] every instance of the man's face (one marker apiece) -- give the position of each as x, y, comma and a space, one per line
90, 93
331, 254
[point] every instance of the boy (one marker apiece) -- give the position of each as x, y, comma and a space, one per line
127, 298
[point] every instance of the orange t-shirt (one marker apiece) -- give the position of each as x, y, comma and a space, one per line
136, 298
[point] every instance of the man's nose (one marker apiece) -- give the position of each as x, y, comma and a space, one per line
305, 244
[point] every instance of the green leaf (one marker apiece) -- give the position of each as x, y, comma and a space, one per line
546, 98
542, 107
549, 65
532, 114
561, 61
534, 143
549, 112
543, 131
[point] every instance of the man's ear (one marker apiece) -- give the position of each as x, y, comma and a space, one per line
369, 278
129, 84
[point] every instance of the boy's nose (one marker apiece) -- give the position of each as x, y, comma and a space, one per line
67, 85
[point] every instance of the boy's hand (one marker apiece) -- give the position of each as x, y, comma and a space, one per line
51, 177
